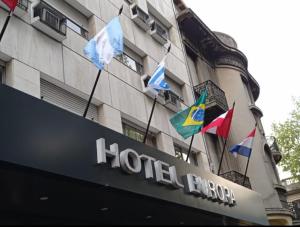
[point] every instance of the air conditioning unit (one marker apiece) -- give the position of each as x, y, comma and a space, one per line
150, 92
139, 17
49, 21
158, 32
172, 101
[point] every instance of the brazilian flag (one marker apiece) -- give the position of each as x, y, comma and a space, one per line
190, 121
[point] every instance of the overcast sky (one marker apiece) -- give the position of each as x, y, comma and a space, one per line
268, 33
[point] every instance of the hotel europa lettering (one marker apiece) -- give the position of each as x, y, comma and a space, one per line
133, 163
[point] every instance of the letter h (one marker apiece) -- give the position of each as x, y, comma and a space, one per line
103, 153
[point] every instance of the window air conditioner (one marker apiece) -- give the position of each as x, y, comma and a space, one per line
172, 100
149, 91
139, 17
158, 33
50, 19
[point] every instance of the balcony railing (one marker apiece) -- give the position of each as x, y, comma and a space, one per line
272, 142
292, 207
237, 178
216, 103
290, 181
23, 4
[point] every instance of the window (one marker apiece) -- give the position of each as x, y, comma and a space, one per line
181, 153
76, 28
137, 133
66, 100
131, 60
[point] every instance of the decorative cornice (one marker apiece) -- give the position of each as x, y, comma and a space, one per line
257, 111
216, 52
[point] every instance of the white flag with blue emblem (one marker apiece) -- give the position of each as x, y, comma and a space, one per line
106, 44
157, 80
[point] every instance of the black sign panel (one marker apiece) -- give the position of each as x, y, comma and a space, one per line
38, 135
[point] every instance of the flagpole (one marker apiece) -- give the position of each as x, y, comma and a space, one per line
92, 93
5, 24
147, 130
188, 154
247, 163
96, 81
154, 102
219, 170
246, 168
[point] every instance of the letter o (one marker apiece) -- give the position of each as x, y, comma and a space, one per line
135, 166
220, 192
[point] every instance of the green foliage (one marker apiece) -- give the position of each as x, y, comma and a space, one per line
288, 139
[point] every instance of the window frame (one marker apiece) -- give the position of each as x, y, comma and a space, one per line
83, 32
138, 64
181, 153
151, 136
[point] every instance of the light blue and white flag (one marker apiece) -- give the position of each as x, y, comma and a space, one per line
157, 80
106, 44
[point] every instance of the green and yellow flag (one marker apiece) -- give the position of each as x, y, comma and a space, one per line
190, 121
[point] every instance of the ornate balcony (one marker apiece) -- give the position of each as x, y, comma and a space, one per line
274, 148
216, 103
237, 178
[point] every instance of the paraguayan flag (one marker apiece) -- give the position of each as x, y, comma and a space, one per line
106, 44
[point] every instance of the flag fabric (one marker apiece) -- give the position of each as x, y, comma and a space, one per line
190, 121
157, 80
106, 44
11, 4
221, 125
244, 148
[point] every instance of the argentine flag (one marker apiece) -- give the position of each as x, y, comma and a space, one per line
245, 147
106, 44
157, 81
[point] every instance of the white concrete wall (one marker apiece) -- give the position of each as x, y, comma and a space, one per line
23, 78
243, 122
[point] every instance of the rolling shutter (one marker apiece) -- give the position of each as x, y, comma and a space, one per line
66, 100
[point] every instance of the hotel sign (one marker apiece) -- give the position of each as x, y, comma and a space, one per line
40, 136
163, 173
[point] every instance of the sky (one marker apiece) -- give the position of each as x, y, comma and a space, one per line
268, 33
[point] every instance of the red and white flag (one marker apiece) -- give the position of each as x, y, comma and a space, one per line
11, 4
221, 125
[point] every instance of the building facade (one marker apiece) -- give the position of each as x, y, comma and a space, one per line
42, 55
293, 197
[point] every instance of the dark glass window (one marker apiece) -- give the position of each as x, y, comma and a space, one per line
181, 153
136, 133
76, 28
131, 63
